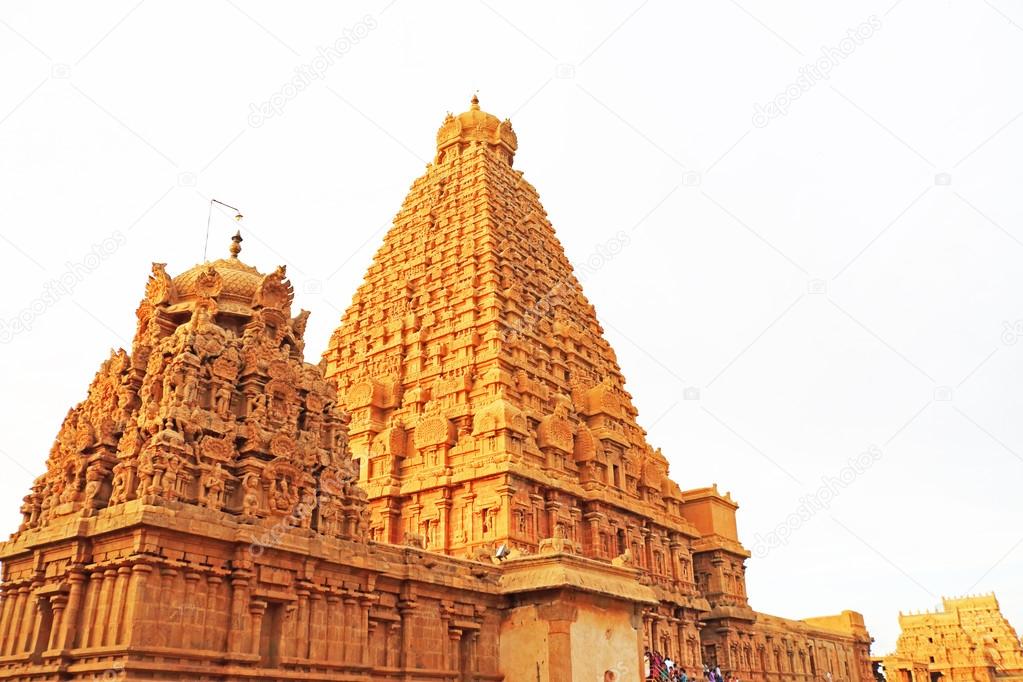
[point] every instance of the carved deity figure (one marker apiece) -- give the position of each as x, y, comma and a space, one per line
222, 400
170, 477
93, 486
250, 499
283, 495
211, 488
119, 486
147, 473
329, 510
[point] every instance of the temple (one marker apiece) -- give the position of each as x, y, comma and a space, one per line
967, 640
460, 490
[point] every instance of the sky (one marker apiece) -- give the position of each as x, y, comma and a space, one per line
799, 223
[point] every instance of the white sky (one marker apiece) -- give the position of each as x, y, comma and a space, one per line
118, 122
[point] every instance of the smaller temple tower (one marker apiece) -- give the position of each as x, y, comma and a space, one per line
968, 640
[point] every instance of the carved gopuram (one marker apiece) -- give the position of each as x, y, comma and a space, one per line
460, 491
488, 412
967, 640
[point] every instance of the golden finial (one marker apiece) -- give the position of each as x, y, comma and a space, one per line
236, 244
474, 104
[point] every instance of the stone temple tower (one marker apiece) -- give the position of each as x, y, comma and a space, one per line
487, 409
489, 414
458, 491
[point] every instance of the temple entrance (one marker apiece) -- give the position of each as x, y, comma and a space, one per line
936, 676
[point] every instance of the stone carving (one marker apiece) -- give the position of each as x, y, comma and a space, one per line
211, 487
169, 422
250, 502
160, 288
558, 544
623, 559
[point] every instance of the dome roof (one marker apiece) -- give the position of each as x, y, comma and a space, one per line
238, 281
476, 125
231, 282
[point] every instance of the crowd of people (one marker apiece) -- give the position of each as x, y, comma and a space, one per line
662, 669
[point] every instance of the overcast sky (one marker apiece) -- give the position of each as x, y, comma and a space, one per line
821, 203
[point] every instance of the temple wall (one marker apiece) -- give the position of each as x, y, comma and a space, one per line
774, 648
524, 635
178, 597
605, 638
572, 637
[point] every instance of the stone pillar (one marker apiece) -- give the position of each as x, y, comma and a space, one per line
135, 594
365, 600
559, 647
257, 609
210, 637
23, 615
453, 660
672, 630
239, 626
190, 607
348, 629
92, 589
593, 518
299, 644
18, 597
503, 517
102, 612
674, 548
316, 626
33, 620
648, 554
469, 514
171, 624
335, 641
10, 597
445, 651
117, 606
443, 525
58, 604
406, 609
68, 629
553, 510
391, 516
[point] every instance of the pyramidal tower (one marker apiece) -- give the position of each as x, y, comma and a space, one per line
489, 416
486, 407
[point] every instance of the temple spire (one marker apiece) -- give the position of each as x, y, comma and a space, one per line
236, 244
